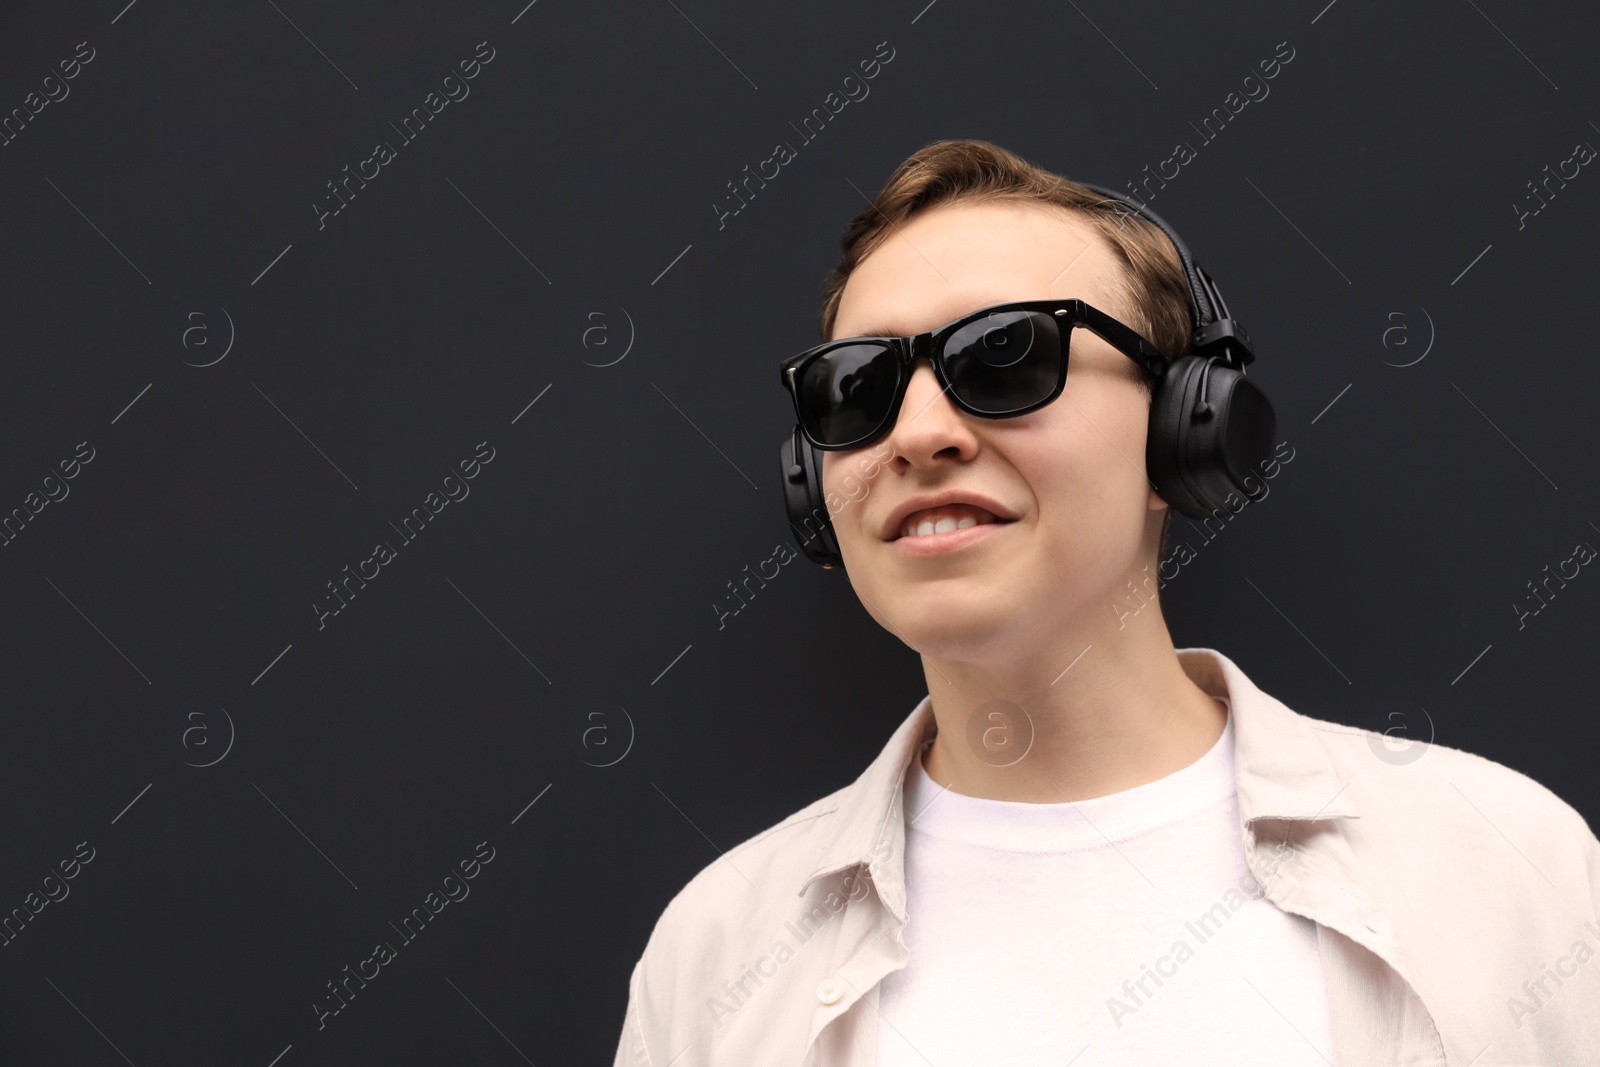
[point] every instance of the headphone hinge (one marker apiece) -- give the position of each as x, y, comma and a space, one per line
1228, 334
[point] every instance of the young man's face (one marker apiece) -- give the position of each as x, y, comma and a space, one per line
1072, 473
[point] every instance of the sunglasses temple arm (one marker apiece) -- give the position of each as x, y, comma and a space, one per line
1125, 340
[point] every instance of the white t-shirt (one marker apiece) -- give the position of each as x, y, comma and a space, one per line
1125, 929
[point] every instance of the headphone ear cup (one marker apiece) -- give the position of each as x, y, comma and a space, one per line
1198, 461
804, 502
1168, 404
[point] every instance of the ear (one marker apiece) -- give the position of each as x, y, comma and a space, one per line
1156, 502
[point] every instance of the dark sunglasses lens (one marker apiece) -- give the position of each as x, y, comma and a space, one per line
845, 393
1006, 361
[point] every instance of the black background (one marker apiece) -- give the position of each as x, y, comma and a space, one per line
563, 614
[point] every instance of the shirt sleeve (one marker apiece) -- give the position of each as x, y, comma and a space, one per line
1592, 854
631, 1051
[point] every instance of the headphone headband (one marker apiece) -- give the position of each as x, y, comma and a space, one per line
1208, 312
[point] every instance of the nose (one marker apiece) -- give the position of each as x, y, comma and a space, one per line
920, 390
928, 421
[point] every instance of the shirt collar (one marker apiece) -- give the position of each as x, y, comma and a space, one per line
1280, 767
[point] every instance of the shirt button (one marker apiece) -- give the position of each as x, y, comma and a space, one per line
830, 990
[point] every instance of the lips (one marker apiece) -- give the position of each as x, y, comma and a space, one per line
995, 511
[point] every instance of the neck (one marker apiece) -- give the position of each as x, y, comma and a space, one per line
1122, 714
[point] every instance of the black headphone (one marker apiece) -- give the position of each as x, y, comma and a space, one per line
1210, 428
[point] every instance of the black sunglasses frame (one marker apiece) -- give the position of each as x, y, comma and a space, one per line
1073, 312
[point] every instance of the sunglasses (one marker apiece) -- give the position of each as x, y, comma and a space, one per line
995, 363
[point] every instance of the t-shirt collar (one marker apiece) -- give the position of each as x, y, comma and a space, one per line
1281, 771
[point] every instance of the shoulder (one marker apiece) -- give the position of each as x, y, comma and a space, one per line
728, 912
749, 877
1405, 769
1459, 811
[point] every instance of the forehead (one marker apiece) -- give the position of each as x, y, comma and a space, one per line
959, 257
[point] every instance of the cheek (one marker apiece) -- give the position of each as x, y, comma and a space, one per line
1109, 417
843, 486
1088, 467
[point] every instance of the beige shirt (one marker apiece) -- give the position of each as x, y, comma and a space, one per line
1455, 901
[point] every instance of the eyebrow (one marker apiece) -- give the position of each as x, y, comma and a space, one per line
882, 331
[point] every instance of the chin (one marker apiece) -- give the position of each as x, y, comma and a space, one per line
949, 629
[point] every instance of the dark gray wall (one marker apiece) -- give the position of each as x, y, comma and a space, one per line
257, 390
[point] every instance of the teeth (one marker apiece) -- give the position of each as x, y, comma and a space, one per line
944, 524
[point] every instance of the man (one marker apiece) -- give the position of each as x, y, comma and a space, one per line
1085, 846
